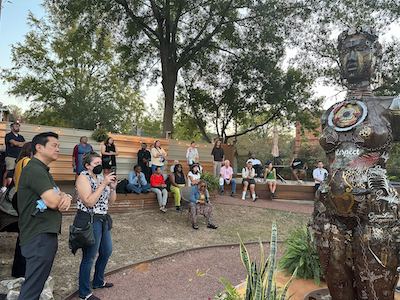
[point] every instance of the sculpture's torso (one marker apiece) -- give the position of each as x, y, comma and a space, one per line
357, 138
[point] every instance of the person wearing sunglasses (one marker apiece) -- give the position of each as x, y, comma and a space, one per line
200, 205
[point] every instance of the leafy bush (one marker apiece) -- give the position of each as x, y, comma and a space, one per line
100, 135
211, 180
301, 255
260, 281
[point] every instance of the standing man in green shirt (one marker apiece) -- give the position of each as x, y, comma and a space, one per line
40, 203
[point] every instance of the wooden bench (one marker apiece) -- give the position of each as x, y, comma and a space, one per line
288, 191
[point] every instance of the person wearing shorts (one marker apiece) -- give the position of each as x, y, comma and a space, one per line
270, 177
248, 174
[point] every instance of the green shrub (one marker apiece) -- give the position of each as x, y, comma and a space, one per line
100, 135
211, 180
301, 255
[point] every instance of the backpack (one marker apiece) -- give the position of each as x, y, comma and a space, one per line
121, 186
8, 203
168, 183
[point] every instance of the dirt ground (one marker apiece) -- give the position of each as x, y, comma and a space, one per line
146, 234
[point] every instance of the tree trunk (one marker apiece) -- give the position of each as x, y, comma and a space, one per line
169, 83
169, 70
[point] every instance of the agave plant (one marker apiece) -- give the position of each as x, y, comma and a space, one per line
260, 282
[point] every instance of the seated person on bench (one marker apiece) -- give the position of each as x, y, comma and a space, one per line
298, 169
270, 177
248, 174
226, 177
257, 165
137, 181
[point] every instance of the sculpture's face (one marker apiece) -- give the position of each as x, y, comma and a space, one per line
357, 59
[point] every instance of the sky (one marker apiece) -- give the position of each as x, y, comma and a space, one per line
13, 27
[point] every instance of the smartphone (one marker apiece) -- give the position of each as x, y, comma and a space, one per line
114, 170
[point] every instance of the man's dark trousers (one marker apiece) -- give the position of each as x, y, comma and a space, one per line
39, 253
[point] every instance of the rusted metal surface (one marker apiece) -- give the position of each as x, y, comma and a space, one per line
356, 214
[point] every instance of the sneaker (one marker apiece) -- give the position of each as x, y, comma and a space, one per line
233, 195
90, 297
212, 226
178, 208
163, 209
243, 198
255, 199
221, 192
195, 226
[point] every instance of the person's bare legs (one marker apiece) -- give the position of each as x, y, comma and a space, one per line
253, 191
245, 185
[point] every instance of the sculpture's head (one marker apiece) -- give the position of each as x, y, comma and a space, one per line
359, 53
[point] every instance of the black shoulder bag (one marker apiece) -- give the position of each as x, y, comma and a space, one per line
81, 236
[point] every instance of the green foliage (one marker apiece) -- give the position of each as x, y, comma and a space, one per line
211, 180
260, 143
234, 48
393, 163
230, 292
186, 128
73, 76
311, 154
260, 281
100, 134
301, 256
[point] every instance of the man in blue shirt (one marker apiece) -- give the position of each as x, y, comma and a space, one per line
137, 181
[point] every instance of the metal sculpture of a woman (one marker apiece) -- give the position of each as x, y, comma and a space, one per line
356, 214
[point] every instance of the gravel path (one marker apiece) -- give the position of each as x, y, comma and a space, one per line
145, 234
189, 275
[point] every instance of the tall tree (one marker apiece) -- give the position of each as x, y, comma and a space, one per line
73, 76
174, 33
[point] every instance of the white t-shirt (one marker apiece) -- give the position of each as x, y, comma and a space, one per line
255, 161
193, 176
319, 174
192, 155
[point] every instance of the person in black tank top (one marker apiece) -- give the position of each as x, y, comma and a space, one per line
108, 156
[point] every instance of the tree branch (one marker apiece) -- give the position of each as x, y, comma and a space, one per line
151, 33
254, 127
192, 49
